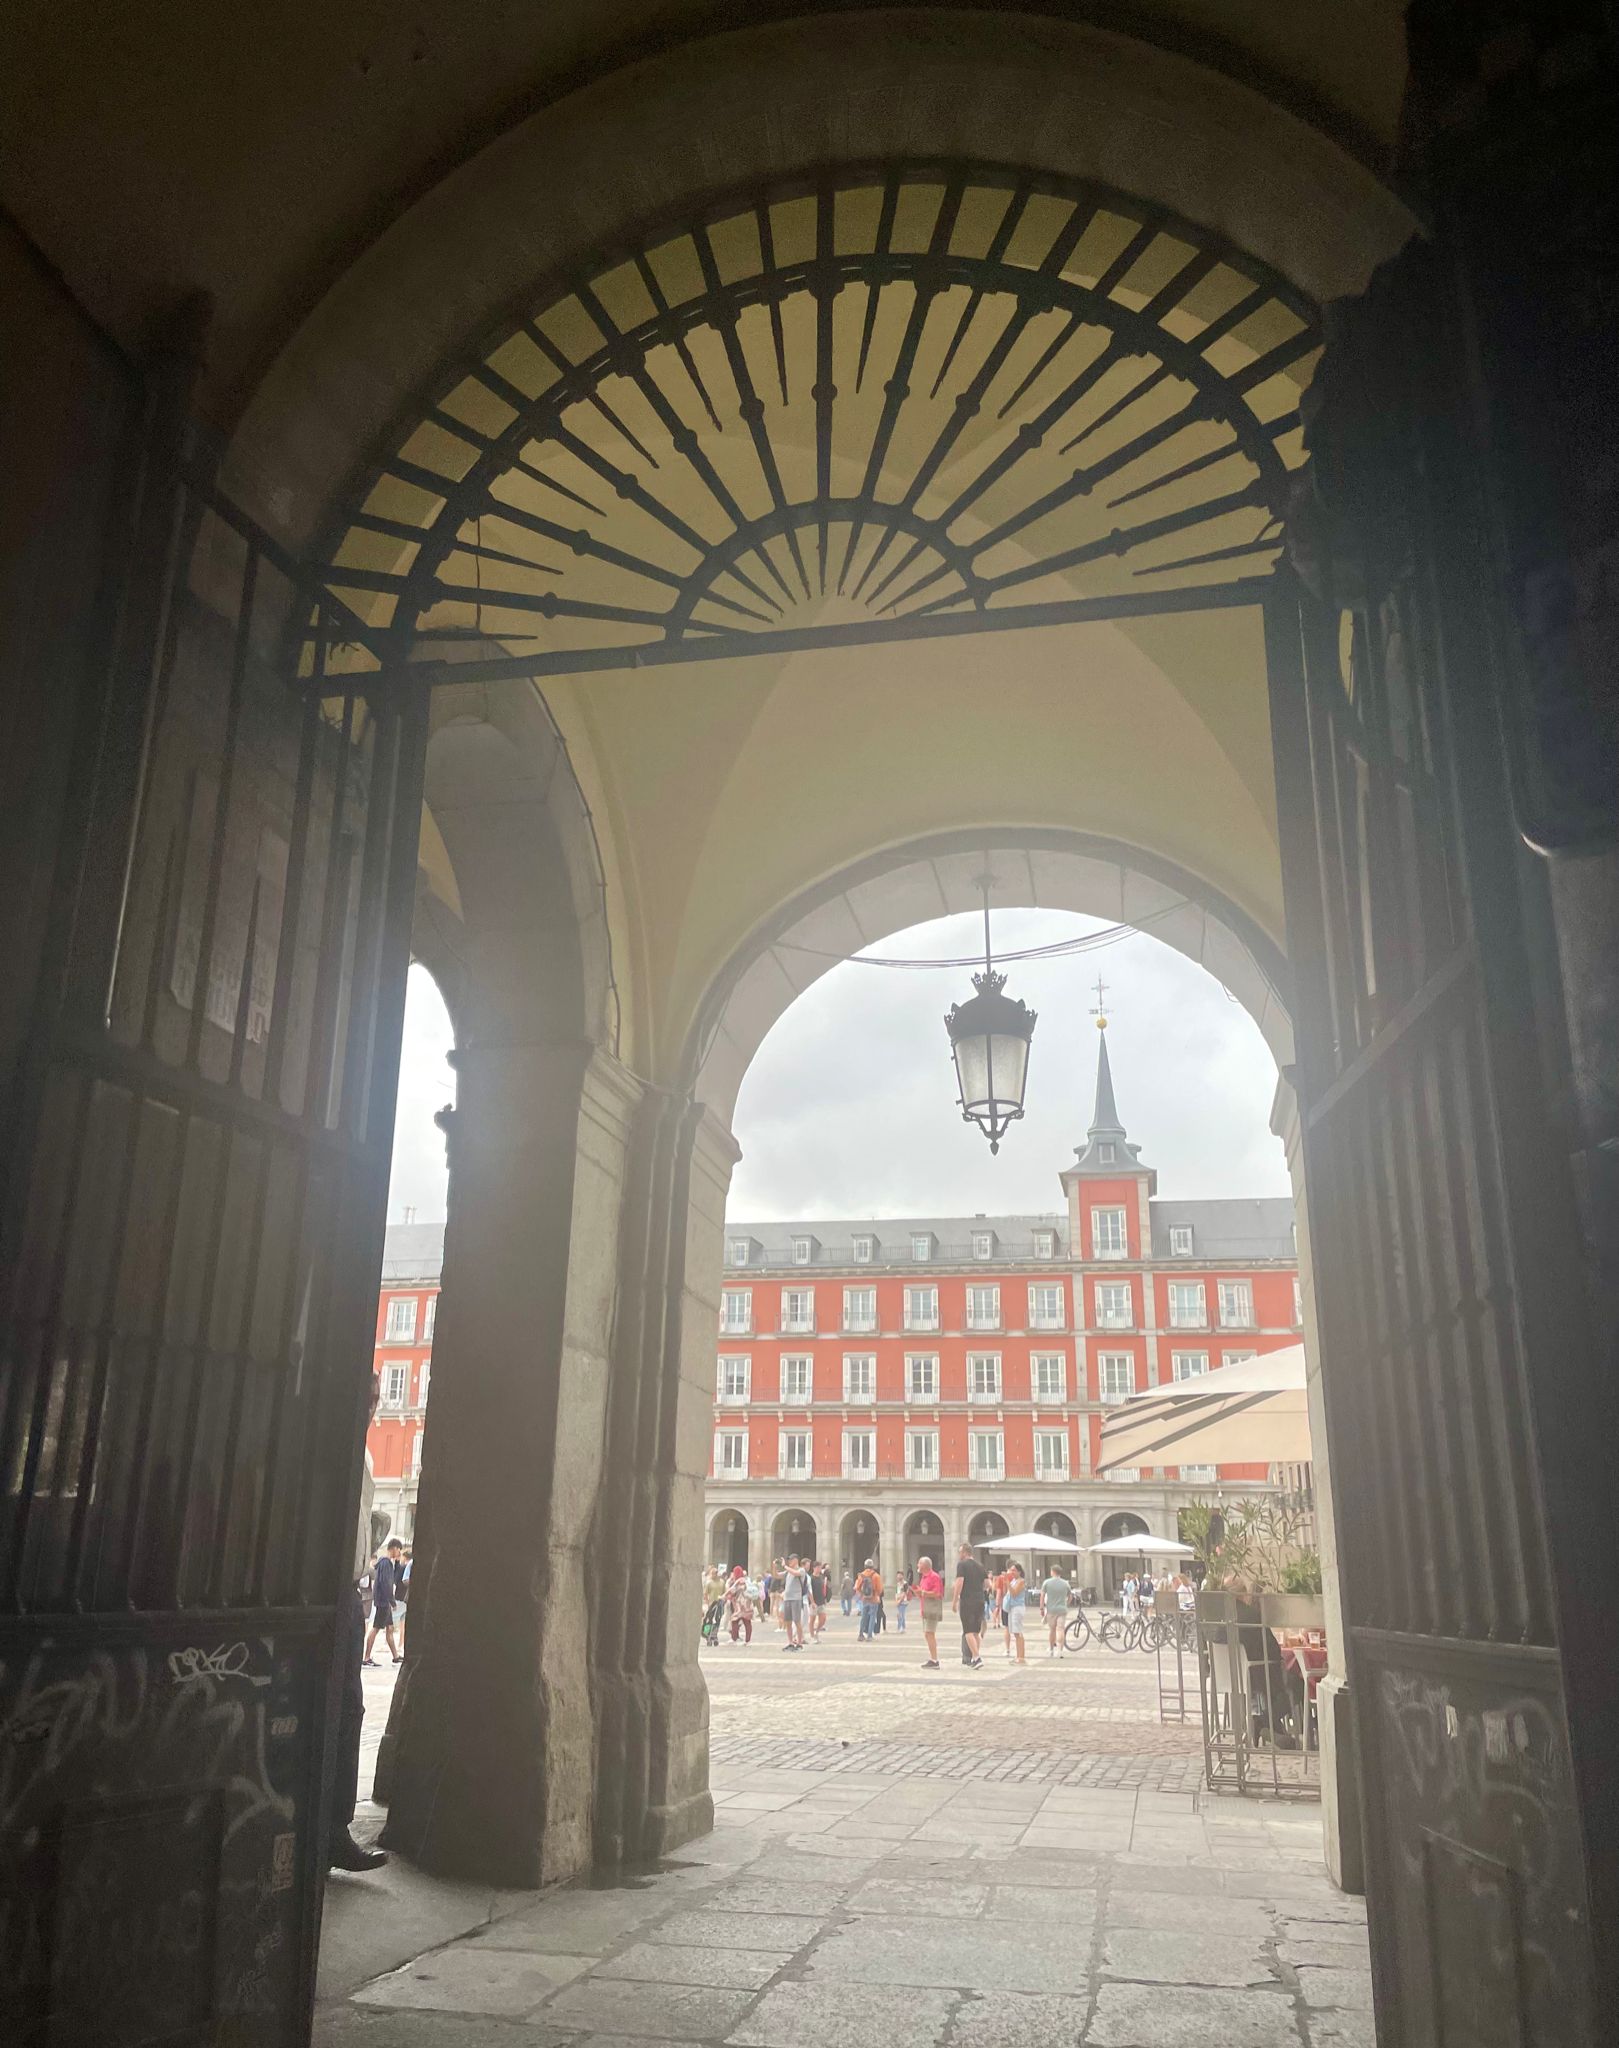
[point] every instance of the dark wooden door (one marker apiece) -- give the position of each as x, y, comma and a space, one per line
1442, 1230
195, 1179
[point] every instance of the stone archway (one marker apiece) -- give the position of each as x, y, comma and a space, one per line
923, 1536
1062, 1527
1115, 1569
728, 1540
859, 1537
793, 1533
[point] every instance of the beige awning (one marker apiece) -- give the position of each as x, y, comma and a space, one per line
1253, 1413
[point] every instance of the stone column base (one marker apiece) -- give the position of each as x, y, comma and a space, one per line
1341, 1841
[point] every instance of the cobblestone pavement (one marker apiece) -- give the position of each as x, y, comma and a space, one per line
980, 1895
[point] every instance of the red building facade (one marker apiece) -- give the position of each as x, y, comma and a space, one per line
413, 1259
906, 1385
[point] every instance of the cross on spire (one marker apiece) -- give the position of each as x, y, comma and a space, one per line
1099, 1007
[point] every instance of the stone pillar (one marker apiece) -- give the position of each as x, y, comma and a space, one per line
1340, 1777
493, 1741
650, 1698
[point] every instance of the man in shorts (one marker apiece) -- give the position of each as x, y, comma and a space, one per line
1055, 1594
967, 1602
820, 1594
794, 1593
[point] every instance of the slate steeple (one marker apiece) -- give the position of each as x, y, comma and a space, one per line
1107, 1149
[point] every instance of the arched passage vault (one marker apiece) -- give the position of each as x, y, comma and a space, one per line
862, 432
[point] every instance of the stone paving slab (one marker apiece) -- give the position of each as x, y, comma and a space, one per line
674, 2012
1151, 2016
718, 1963
1157, 1955
845, 2016
1019, 2019
699, 1928
468, 1979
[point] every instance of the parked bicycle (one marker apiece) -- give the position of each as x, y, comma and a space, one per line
1078, 1632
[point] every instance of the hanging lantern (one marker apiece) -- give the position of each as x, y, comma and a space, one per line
989, 1039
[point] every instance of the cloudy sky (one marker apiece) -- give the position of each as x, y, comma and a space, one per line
849, 1108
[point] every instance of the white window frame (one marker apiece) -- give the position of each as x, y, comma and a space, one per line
429, 1317
913, 1468
922, 1247
1124, 1475
1199, 1475
985, 1365
1181, 1241
1045, 1244
1105, 1362
1237, 1357
1179, 1317
416, 1454
1236, 1303
1059, 1359
913, 1359
865, 1250
976, 1440
852, 1437
1047, 1437
932, 1362
395, 1389
983, 1307
983, 1244
867, 1360
785, 1468
726, 1470
863, 1321
736, 1311
1039, 1317
738, 1251
1107, 1152
803, 1250
1102, 1244
798, 1321
921, 1318
1187, 1365
1108, 1318
1298, 1303
734, 1366
399, 1320
424, 1374
794, 1397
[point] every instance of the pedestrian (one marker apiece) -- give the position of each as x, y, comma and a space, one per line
384, 1592
930, 1593
997, 1607
778, 1576
819, 1590
846, 1593
967, 1601
402, 1596
1055, 1593
1017, 1590
869, 1592
794, 1595
739, 1605
902, 1600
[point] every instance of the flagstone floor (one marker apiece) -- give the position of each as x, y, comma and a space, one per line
1062, 1883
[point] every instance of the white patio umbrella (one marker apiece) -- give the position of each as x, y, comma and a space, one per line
1034, 1541
1141, 1546
1253, 1413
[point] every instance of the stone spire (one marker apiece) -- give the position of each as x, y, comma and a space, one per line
1106, 1148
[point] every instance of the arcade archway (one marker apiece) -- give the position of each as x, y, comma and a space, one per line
728, 1540
923, 1536
793, 1534
859, 1538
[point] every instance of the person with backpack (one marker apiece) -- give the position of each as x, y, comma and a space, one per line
869, 1592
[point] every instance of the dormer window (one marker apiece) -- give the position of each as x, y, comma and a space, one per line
1045, 1244
922, 1246
1107, 1153
737, 1251
1180, 1240
865, 1250
803, 1250
983, 1244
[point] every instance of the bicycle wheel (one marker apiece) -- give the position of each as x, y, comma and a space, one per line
1077, 1634
1157, 1634
1114, 1634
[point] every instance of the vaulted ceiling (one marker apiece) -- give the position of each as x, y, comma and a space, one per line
162, 147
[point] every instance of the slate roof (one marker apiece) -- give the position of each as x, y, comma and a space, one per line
1229, 1231
412, 1252
834, 1246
